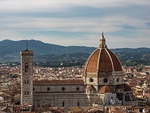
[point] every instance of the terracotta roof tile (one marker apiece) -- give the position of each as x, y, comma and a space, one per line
103, 60
90, 87
124, 87
106, 89
58, 82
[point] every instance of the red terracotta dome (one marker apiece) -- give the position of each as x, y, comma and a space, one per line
124, 87
103, 60
106, 89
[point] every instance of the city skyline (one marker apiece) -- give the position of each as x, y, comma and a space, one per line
80, 22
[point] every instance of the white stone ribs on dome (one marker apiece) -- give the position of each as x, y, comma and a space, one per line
98, 66
87, 62
85, 68
102, 59
119, 63
110, 60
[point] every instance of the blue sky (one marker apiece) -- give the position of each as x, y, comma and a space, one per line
125, 23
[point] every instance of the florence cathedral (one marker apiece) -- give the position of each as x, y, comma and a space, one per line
102, 83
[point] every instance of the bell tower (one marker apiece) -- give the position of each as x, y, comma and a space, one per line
26, 76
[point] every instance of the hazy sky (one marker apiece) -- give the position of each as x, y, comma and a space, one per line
125, 23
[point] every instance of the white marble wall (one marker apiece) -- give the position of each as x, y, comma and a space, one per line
73, 95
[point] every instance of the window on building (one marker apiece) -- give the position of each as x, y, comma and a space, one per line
63, 104
33, 89
91, 80
26, 67
117, 79
38, 103
63, 88
78, 104
24, 92
27, 81
48, 89
105, 80
27, 93
49, 104
77, 88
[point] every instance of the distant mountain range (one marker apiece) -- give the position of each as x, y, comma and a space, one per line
10, 50
44, 52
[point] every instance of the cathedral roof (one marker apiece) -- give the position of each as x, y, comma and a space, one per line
106, 89
103, 60
90, 87
124, 87
40, 82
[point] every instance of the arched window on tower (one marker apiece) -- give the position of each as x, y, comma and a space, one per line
27, 92
27, 81
24, 92
26, 67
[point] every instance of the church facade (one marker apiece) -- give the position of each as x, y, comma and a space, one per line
102, 83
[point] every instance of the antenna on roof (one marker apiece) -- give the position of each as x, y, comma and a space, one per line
26, 44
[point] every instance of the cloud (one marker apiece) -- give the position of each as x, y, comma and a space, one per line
38, 5
77, 22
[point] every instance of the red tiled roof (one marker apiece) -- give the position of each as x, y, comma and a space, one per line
106, 89
124, 87
133, 82
58, 82
103, 60
90, 87
147, 95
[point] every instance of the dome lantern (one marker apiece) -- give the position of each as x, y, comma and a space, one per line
102, 41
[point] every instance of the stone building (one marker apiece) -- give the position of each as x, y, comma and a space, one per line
27, 75
102, 83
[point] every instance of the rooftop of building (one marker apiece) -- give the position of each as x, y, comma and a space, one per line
102, 59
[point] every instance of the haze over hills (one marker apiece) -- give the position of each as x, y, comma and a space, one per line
44, 52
